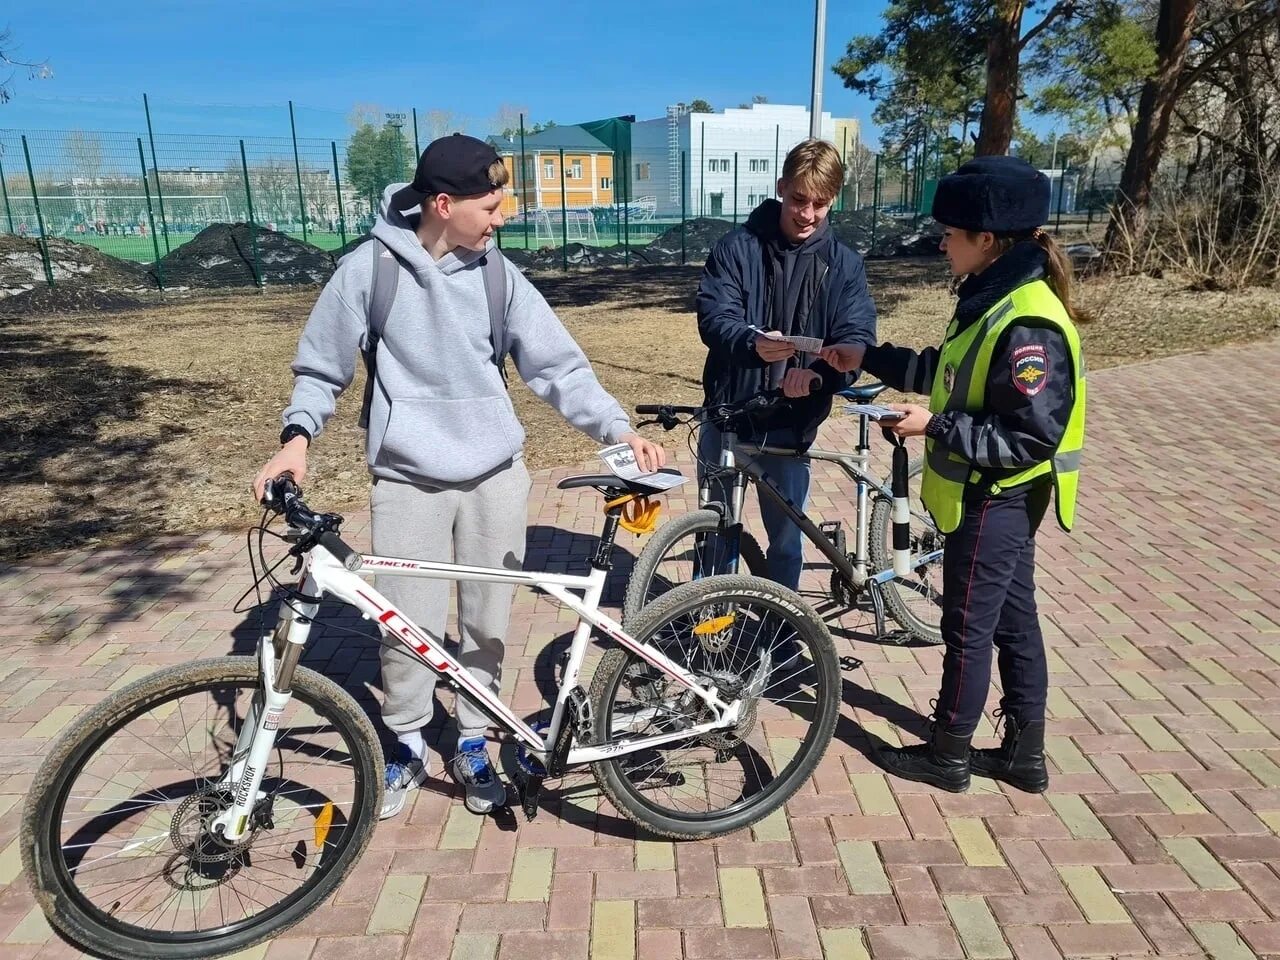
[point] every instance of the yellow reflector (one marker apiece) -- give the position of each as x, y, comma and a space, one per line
323, 822
714, 625
640, 515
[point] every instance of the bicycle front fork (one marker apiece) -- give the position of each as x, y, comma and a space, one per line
714, 492
278, 656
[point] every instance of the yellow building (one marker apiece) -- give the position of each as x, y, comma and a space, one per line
537, 182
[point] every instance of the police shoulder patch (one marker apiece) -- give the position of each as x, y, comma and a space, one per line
1030, 371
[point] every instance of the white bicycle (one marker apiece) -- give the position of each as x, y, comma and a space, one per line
211, 805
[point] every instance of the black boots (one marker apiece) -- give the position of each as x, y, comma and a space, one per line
1019, 760
942, 762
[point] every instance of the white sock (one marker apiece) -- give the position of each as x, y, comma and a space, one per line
414, 741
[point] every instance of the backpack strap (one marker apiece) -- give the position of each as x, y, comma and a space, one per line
494, 271
386, 276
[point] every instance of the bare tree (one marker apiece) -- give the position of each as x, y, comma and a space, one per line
1186, 55
859, 172
84, 155
365, 114
505, 121
36, 70
440, 123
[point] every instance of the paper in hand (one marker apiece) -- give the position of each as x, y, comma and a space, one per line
805, 344
875, 411
621, 460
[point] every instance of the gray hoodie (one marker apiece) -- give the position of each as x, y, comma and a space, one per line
441, 414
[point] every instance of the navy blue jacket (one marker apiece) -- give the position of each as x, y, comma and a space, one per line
1021, 426
737, 292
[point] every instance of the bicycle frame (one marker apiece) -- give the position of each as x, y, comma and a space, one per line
324, 575
856, 466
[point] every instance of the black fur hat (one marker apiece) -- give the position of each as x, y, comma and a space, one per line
996, 194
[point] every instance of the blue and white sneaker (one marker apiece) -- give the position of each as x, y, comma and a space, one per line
405, 773
472, 768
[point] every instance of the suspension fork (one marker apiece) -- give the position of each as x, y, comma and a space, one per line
278, 656
731, 519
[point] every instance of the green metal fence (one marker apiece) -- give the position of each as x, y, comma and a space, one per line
605, 193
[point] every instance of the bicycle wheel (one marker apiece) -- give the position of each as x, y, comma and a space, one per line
751, 639
115, 835
914, 601
676, 549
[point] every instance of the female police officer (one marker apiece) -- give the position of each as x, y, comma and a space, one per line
1003, 433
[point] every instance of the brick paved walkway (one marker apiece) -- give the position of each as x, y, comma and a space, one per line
1157, 838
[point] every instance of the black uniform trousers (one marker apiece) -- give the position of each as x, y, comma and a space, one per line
988, 586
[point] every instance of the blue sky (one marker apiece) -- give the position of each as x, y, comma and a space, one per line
229, 67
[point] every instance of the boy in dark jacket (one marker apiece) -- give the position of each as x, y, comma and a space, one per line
783, 273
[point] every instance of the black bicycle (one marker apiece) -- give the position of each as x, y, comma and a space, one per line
711, 540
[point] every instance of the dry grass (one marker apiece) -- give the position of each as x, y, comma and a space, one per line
117, 425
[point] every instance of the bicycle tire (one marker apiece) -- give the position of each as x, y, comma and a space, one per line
611, 774
881, 559
660, 546
55, 892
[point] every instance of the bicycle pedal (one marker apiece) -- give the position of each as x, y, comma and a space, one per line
530, 794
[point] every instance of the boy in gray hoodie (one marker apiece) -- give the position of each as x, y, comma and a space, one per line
443, 443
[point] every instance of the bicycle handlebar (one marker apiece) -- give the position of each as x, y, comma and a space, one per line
285, 497
667, 414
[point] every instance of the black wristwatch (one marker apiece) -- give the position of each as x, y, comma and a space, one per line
294, 430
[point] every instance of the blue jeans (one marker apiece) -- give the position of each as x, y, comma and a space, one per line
790, 475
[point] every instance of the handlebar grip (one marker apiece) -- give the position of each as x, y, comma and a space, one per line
648, 409
344, 554
277, 488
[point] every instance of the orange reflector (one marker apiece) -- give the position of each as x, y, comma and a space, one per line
714, 625
323, 822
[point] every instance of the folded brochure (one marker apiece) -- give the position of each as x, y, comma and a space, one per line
805, 344
802, 344
620, 459
875, 411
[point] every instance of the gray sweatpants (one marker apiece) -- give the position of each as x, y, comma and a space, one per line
480, 525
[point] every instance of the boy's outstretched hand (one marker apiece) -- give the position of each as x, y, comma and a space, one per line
843, 356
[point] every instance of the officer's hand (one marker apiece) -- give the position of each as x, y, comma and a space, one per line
292, 458
798, 383
649, 456
843, 356
913, 424
772, 347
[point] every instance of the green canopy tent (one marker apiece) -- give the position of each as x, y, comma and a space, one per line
615, 133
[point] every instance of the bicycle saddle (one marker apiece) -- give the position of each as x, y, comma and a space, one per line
613, 482
863, 392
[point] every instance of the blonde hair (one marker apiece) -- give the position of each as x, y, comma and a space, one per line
814, 168
499, 175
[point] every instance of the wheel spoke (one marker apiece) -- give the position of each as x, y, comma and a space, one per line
135, 849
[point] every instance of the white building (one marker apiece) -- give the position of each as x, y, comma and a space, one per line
738, 152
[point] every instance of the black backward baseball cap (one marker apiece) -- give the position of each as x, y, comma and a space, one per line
457, 165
